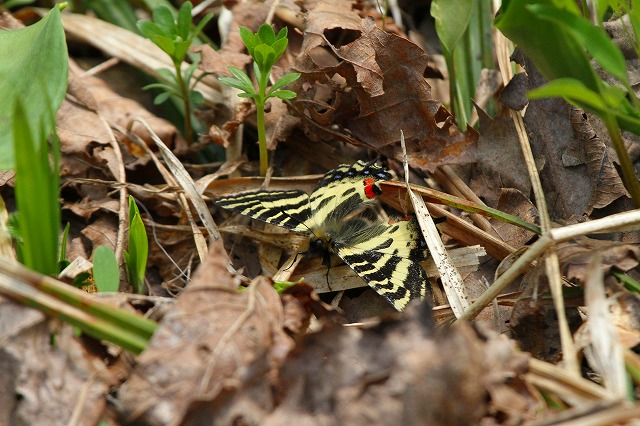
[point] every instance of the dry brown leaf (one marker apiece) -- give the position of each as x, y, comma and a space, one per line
605, 181
216, 348
566, 184
500, 162
43, 383
350, 70
575, 256
516, 203
398, 373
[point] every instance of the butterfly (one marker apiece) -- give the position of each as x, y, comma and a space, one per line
385, 255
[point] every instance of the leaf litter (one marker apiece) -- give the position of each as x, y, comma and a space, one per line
223, 356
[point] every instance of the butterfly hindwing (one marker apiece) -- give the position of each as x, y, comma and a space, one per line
289, 209
386, 257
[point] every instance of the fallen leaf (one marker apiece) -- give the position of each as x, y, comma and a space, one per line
216, 345
606, 183
399, 372
47, 372
575, 256
354, 88
499, 162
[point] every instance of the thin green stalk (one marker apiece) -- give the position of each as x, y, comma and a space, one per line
184, 90
628, 172
262, 137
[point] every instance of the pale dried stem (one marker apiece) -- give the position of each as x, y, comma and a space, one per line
123, 211
552, 264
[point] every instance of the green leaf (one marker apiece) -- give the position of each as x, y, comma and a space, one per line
240, 75
162, 86
188, 73
62, 255
204, 21
634, 17
136, 256
282, 34
452, 19
284, 94
570, 89
34, 70
106, 274
165, 43
552, 47
266, 34
167, 75
254, 95
14, 3
36, 192
265, 57
163, 17
279, 47
248, 39
233, 82
163, 97
184, 20
196, 97
596, 41
117, 12
150, 29
286, 79
182, 46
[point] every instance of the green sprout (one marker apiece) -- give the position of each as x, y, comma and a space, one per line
136, 257
174, 36
266, 48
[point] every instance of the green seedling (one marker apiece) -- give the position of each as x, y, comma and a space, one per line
174, 36
136, 258
266, 48
37, 186
105, 270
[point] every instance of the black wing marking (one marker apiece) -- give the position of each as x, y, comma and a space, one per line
386, 257
289, 209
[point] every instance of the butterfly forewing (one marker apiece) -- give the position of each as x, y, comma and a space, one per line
289, 209
345, 188
386, 257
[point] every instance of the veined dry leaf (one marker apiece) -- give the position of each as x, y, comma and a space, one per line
350, 73
575, 256
567, 186
500, 162
514, 202
214, 349
607, 186
397, 372
43, 383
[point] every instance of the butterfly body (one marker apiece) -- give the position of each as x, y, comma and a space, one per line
385, 255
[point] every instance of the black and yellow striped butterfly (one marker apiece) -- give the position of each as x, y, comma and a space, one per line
385, 255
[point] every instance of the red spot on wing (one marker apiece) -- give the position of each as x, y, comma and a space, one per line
370, 188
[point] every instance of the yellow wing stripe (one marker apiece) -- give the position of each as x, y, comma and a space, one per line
289, 209
386, 256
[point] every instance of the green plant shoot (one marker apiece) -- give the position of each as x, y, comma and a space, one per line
174, 36
105, 270
136, 257
266, 48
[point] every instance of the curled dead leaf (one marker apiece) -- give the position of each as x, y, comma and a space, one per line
217, 342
